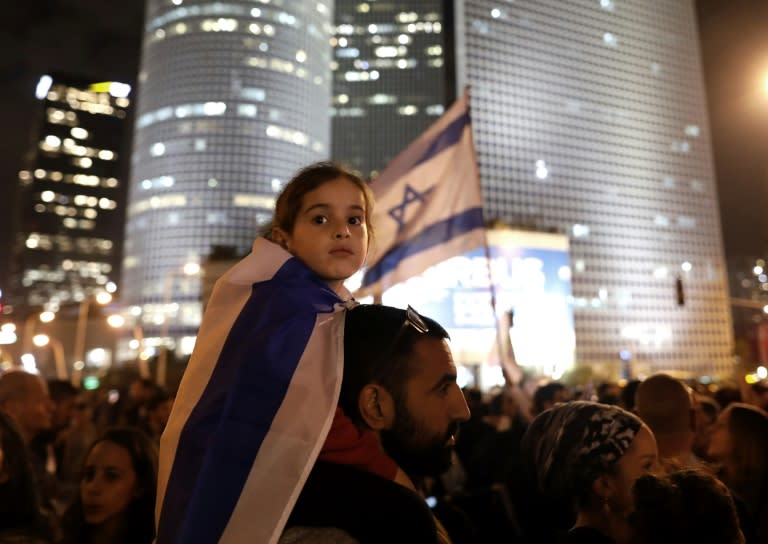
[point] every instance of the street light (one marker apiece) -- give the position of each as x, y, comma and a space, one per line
188, 269
29, 325
101, 298
41, 340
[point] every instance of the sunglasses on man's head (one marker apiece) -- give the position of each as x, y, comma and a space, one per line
413, 319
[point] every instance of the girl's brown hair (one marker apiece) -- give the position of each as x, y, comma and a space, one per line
308, 179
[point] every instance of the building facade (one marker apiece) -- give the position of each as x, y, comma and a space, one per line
589, 120
233, 99
70, 204
393, 76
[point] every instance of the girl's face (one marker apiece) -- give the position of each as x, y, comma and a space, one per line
641, 458
331, 231
720, 437
108, 484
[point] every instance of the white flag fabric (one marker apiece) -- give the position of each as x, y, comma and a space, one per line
255, 404
428, 203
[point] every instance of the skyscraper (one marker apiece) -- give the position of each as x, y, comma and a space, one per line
233, 99
393, 75
70, 212
589, 120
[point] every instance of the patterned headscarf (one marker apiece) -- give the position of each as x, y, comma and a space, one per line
572, 444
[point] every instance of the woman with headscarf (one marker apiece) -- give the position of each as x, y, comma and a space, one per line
590, 455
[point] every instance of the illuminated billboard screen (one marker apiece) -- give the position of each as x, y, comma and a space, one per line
532, 279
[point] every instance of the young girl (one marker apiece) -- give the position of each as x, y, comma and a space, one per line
259, 394
116, 500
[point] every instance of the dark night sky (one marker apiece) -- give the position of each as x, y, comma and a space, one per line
83, 37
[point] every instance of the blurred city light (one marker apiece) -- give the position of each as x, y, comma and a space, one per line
47, 316
43, 85
191, 269
41, 340
28, 363
115, 321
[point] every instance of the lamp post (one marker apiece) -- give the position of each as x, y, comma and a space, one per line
41, 340
29, 326
80, 333
189, 269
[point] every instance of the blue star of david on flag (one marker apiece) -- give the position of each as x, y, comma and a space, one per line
410, 196
429, 205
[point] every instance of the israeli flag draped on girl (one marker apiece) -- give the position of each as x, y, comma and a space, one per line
254, 405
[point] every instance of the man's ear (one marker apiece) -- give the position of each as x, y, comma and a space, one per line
377, 408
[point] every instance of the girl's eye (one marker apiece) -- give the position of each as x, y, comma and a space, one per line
319, 219
111, 475
356, 220
88, 474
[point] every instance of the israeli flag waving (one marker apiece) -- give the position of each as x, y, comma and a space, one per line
255, 403
428, 203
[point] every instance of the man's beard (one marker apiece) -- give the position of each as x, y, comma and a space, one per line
413, 449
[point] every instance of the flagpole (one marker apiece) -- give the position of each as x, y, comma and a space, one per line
500, 338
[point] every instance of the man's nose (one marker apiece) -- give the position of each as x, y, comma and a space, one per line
460, 408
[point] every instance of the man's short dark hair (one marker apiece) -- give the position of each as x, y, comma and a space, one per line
61, 389
377, 343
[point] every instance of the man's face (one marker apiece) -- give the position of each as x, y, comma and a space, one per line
63, 411
428, 412
32, 412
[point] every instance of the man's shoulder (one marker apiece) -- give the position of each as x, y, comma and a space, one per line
362, 504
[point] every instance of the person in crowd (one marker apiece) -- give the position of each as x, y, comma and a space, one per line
628, 393
75, 443
707, 410
739, 443
726, 394
158, 410
475, 440
140, 392
759, 394
591, 454
609, 393
116, 501
399, 384
269, 332
687, 505
547, 395
46, 444
22, 520
24, 397
666, 405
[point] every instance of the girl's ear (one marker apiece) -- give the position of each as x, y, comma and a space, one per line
377, 408
280, 237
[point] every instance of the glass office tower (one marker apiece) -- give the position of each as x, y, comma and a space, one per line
69, 218
233, 99
393, 75
589, 120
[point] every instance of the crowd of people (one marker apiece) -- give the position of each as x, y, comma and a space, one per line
306, 418
668, 464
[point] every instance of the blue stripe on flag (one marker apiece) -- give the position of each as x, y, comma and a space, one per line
225, 430
431, 236
448, 137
